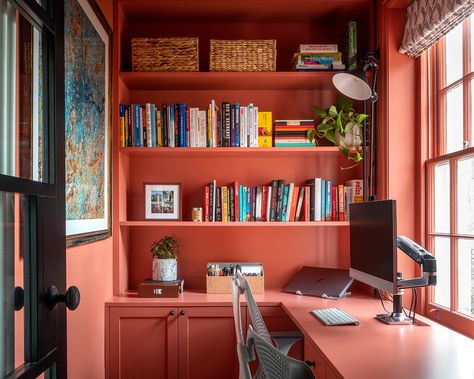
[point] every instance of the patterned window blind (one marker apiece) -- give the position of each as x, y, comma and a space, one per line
429, 20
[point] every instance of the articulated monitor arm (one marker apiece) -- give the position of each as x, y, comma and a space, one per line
425, 260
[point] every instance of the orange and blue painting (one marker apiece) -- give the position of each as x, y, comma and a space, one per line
85, 122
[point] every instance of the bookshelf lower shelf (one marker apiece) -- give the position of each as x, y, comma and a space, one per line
256, 224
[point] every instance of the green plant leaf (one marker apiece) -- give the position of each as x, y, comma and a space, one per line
361, 117
357, 157
321, 113
332, 110
329, 135
325, 127
344, 151
311, 134
339, 124
344, 104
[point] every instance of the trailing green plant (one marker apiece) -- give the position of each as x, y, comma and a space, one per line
337, 121
165, 248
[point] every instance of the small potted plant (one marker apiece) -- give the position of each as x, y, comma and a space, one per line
165, 255
341, 125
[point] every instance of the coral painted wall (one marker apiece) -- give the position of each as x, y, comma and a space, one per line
89, 267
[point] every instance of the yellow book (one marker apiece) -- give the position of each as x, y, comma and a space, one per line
122, 130
224, 197
265, 129
159, 129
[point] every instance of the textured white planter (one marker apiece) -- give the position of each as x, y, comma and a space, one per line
353, 136
165, 269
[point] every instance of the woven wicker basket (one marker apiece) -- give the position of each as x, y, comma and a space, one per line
243, 55
165, 54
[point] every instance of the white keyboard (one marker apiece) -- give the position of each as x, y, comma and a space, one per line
334, 316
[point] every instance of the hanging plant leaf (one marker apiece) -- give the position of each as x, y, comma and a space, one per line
320, 112
332, 110
361, 117
311, 135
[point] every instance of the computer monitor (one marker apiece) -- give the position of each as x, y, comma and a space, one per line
373, 238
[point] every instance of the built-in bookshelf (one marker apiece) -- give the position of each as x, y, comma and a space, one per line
281, 246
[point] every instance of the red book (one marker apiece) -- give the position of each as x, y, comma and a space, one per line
334, 203
206, 204
340, 198
264, 202
294, 201
236, 202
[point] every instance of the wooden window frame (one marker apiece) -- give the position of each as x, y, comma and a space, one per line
438, 90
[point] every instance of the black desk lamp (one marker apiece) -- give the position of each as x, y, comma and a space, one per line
354, 84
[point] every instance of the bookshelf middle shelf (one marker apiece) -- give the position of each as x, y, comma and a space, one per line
254, 224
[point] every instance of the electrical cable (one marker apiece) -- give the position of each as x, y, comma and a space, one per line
416, 299
381, 300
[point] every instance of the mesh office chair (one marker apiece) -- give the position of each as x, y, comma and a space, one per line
245, 351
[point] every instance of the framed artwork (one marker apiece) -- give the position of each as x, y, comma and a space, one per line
88, 73
163, 201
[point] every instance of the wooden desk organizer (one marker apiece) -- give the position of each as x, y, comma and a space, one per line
223, 284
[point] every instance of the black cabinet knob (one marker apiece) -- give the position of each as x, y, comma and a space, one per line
310, 363
19, 298
172, 313
71, 298
182, 313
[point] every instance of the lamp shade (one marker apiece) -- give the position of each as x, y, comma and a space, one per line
353, 84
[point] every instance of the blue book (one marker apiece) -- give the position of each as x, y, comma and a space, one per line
182, 125
237, 125
323, 199
153, 124
284, 203
241, 196
249, 215
329, 200
138, 121
171, 141
244, 204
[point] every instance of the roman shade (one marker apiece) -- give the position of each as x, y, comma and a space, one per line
429, 20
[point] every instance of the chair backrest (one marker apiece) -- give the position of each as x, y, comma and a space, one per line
274, 363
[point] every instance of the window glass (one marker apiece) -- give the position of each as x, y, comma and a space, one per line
23, 123
453, 43
454, 120
441, 198
465, 196
466, 277
442, 290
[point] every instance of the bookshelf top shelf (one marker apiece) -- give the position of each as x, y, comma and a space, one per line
256, 224
241, 10
221, 152
287, 80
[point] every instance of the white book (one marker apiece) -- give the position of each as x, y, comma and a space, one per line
170, 127
258, 205
290, 197
255, 127
192, 127
149, 138
269, 202
246, 127
250, 126
202, 120
242, 126
317, 199
318, 48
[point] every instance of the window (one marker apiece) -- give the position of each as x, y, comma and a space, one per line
450, 180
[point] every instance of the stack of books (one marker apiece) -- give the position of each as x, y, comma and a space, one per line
315, 57
292, 133
178, 125
316, 200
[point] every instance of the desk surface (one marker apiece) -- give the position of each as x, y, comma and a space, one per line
369, 350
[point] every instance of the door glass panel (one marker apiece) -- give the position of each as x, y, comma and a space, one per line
454, 54
454, 120
442, 290
12, 328
441, 198
465, 196
23, 119
466, 277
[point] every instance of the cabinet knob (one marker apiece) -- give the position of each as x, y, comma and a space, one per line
71, 298
172, 313
182, 313
310, 363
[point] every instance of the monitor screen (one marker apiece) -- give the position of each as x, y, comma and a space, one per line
373, 238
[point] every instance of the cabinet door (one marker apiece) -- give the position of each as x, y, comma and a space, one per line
207, 343
314, 360
142, 343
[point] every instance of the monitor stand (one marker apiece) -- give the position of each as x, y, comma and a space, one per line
397, 317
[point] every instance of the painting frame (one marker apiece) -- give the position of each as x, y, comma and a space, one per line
88, 230
150, 189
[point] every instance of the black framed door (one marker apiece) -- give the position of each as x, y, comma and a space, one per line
32, 208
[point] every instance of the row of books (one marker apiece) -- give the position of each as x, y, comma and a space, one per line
292, 133
317, 200
323, 59
178, 125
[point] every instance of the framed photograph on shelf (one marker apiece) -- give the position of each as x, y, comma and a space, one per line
163, 201
87, 108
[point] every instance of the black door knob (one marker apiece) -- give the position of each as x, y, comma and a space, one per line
182, 313
71, 298
172, 313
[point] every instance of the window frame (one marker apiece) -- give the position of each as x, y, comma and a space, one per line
438, 91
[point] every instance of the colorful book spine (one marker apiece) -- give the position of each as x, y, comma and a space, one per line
334, 203
284, 204
340, 199
352, 45
329, 196
122, 125
206, 204
318, 48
